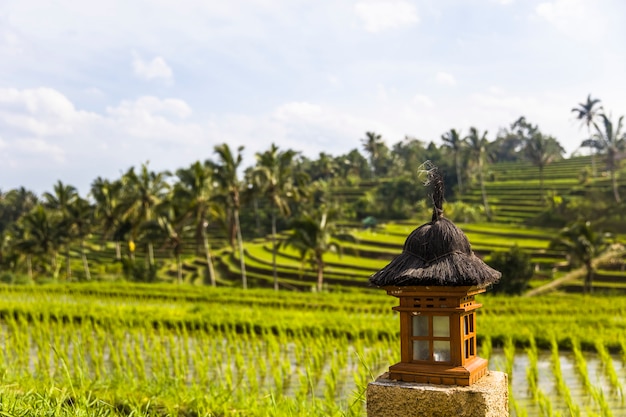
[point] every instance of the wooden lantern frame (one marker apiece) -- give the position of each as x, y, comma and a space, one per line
442, 358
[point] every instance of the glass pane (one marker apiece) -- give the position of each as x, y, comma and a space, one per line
421, 350
442, 350
466, 325
420, 325
441, 326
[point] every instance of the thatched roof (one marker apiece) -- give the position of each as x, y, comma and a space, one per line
436, 253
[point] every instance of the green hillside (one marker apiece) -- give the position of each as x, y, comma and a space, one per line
514, 196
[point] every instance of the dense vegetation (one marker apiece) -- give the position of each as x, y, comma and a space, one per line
114, 347
198, 223
144, 349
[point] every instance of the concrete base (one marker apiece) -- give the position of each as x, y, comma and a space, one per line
488, 397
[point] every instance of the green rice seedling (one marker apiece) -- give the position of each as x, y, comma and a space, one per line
581, 365
596, 392
561, 385
532, 371
622, 342
99, 351
509, 353
138, 359
486, 348
330, 381
514, 407
605, 409
609, 368
545, 404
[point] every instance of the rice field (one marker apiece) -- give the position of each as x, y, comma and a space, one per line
181, 350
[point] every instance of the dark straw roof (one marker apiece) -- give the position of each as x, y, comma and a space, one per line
436, 253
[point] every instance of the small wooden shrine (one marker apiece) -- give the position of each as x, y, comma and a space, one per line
435, 279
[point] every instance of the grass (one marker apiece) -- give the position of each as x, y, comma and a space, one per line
165, 349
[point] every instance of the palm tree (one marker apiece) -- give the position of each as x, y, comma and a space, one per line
80, 222
477, 145
352, 164
452, 140
13, 204
274, 175
374, 145
325, 168
312, 236
42, 233
587, 113
613, 140
227, 177
142, 194
541, 151
582, 245
108, 211
408, 154
60, 201
21, 243
169, 227
194, 191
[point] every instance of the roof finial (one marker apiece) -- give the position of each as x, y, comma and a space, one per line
434, 180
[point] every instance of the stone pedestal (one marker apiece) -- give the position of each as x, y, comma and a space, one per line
488, 397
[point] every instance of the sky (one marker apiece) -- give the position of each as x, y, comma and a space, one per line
91, 88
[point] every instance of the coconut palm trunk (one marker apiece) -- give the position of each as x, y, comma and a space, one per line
541, 182
274, 250
29, 263
150, 254
179, 269
615, 188
68, 265
320, 272
613, 164
482, 189
84, 258
209, 260
589, 278
244, 280
118, 250
53, 264
457, 162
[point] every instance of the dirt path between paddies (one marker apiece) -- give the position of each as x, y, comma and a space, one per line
577, 273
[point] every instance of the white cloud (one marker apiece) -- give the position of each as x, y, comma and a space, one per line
575, 18
423, 100
561, 12
44, 137
445, 78
378, 16
93, 92
40, 112
307, 127
36, 146
312, 127
10, 42
152, 70
149, 105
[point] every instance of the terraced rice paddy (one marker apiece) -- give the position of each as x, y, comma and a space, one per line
181, 350
163, 349
370, 250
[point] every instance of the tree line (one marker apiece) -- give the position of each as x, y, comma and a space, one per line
218, 200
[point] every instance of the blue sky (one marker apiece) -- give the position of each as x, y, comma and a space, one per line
91, 88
